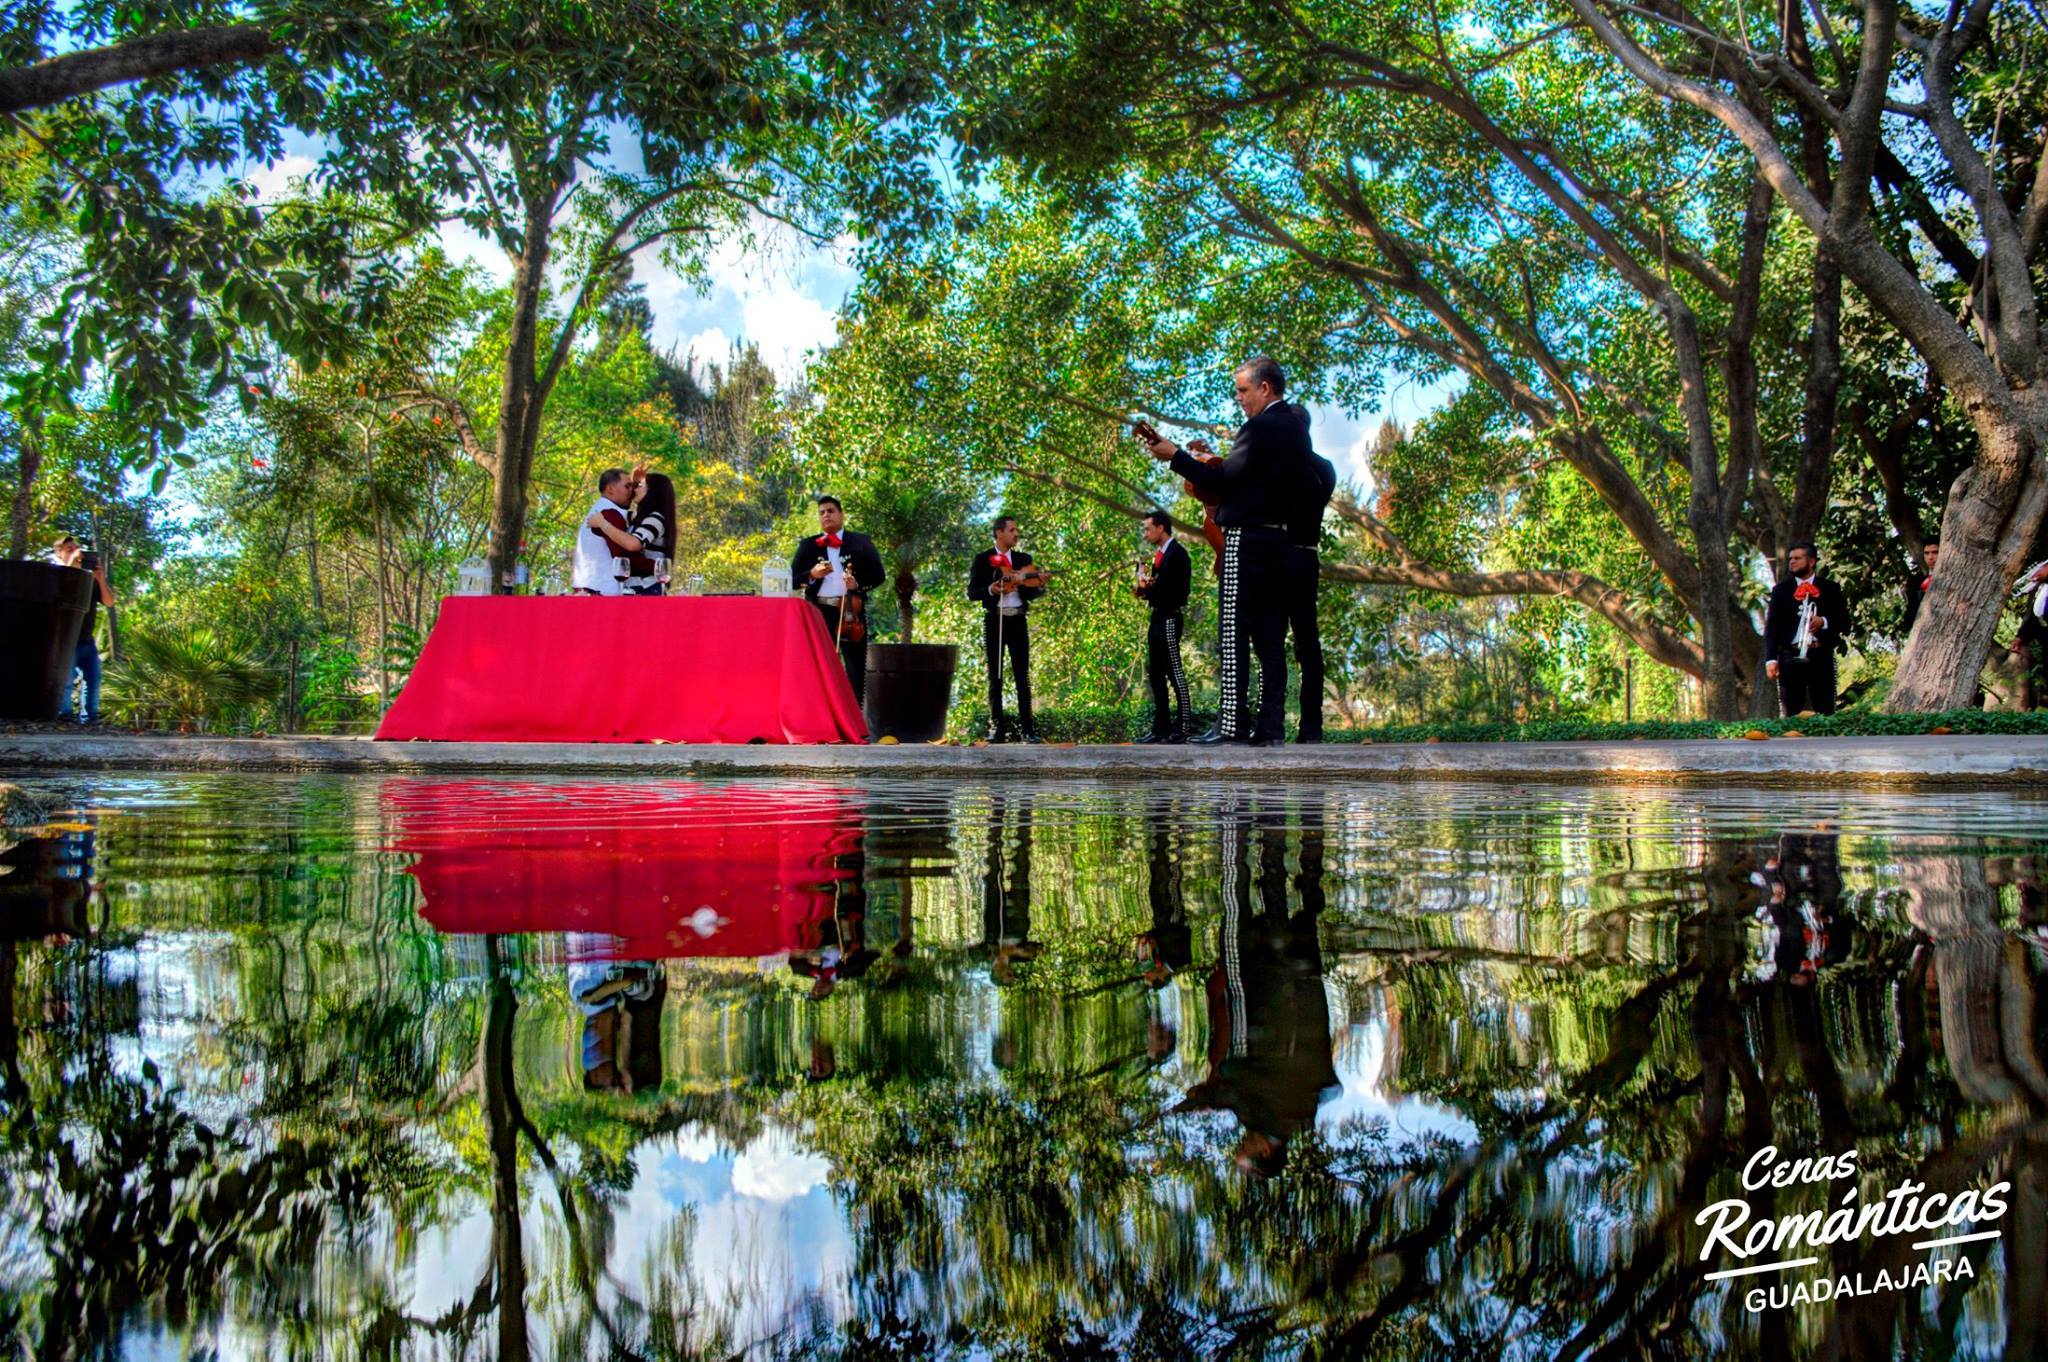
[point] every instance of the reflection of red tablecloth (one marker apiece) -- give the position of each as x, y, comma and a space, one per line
664, 869
631, 669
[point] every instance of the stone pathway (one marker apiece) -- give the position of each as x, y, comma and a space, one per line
1955, 761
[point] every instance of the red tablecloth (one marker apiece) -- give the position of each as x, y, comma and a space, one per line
654, 869
629, 669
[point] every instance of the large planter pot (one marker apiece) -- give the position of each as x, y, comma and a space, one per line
910, 687
42, 607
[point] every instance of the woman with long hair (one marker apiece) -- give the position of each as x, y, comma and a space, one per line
654, 525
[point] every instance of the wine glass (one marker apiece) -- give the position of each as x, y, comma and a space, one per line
660, 561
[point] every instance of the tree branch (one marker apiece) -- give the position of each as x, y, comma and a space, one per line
76, 74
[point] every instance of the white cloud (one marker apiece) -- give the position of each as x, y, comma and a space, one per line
772, 1168
273, 181
788, 325
709, 346
765, 286
462, 243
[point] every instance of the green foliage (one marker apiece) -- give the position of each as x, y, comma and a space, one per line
192, 679
1072, 723
333, 695
1841, 724
1122, 724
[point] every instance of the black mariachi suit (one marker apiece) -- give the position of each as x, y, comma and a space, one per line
1304, 578
856, 551
1168, 597
1000, 633
1809, 684
1259, 484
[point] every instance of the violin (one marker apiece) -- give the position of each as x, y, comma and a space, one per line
853, 611
1212, 533
1036, 576
853, 617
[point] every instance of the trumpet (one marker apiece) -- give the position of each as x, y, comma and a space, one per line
2026, 579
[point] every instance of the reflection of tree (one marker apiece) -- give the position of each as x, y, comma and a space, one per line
1593, 1020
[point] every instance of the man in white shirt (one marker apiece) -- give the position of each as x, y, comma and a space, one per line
600, 561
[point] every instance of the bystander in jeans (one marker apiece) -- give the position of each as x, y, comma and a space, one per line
85, 662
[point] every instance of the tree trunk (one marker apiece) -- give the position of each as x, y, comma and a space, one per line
500, 1076
1723, 692
520, 400
906, 587
383, 574
1823, 385
31, 463
1987, 530
313, 567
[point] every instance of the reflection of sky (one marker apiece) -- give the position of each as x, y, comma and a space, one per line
767, 1234
1361, 1055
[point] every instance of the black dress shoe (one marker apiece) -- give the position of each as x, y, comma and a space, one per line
1308, 737
1258, 740
996, 735
1032, 739
1174, 738
1153, 737
1211, 736
1218, 740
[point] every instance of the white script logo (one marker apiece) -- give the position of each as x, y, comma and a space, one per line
1787, 1239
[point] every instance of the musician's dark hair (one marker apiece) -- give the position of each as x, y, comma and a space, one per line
994, 526
1265, 369
661, 500
829, 500
1811, 551
1161, 519
608, 477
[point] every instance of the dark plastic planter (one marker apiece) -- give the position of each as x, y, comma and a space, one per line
910, 687
42, 607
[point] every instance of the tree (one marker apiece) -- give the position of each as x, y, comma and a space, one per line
1968, 149
498, 115
1448, 192
569, 140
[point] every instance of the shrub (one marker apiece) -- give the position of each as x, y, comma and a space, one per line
191, 678
1113, 724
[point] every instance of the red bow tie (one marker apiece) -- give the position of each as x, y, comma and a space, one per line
1927, 581
1000, 557
1805, 591
830, 541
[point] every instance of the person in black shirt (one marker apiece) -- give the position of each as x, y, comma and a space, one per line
830, 566
1165, 588
1258, 487
1003, 626
1804, 683
1916, 592
1270, 1056
1304, 578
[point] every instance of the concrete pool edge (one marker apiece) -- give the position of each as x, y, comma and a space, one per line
1957, 761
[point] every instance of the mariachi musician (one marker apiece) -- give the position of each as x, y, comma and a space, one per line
1004, 581
1163, 582
1256, 488
837, 568
1803, 629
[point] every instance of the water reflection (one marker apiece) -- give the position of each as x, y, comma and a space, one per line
674, 1069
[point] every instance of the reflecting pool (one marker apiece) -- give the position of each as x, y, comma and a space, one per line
497, 1068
